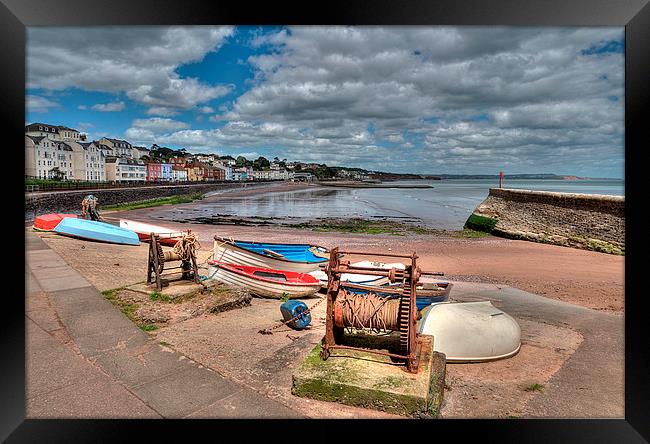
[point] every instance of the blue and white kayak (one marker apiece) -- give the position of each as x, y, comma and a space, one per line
301, 258
97, 231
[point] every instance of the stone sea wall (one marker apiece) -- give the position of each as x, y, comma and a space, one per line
70, 201
593, 222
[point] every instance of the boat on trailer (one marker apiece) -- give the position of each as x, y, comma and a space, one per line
264, 282
47, 222
167, 236
96, 231
300, 258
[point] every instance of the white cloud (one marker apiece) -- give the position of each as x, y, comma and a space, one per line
139, 61
206, 110
39, 104
109, 107
162, 111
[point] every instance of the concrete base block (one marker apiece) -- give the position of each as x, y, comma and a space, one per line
172, 288
363, 379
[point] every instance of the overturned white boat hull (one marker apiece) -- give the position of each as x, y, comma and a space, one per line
471, 331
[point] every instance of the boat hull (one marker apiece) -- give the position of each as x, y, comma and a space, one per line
261, 288
47, 222
423, 296
232, 254
471, 331
167, 236
96, 231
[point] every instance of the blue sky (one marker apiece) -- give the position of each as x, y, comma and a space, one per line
467, 100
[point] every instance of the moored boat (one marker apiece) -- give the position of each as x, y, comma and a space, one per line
47, 222
361, 279
264, 282
425, 293
166, 235
471, 331
300, 258
96, 231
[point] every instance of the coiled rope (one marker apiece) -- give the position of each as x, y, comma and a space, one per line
186, 246
368, 311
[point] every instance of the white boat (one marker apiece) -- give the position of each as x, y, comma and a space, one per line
264, 282
361, 279
168, 236
471, 331
301, 258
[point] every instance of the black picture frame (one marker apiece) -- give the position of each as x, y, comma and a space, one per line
634, 15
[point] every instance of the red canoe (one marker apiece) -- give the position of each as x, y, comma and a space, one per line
47, 222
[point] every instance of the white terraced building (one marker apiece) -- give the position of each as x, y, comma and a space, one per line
43, 156
89, 161
122, 169
54, 132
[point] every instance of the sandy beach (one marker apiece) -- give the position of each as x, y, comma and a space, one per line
590, 279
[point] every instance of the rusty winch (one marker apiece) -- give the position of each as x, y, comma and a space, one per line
184, 251
395, 312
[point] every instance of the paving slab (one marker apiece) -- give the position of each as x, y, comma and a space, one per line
33, 243
182, 393
62, 384
139, 365
238, 405
95, 398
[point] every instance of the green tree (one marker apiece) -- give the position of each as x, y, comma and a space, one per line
57, 174
261, 163
241, 161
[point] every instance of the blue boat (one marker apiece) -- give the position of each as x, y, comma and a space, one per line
424, 296
302, 258
96, 231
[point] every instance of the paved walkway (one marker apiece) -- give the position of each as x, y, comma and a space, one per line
86, 359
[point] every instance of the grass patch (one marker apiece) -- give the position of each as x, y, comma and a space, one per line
157, 296
148, 327
128, 308
534, 387
284, 297
363, 226
469, 233
170, 200
480, 223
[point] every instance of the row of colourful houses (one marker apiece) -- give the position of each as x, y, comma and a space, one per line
57, 151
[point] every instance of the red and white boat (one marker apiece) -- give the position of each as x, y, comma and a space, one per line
168, 236
264, 282
47, 222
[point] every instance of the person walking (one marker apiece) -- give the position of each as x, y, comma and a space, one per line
89, 208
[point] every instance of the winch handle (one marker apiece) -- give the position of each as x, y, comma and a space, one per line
432, 273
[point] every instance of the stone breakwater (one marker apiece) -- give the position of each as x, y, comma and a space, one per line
589, 221
70, 201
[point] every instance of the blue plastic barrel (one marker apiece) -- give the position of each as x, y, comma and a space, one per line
291, 309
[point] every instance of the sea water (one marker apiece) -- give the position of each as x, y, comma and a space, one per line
445, 206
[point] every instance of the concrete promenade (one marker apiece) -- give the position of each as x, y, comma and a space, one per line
85, 359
